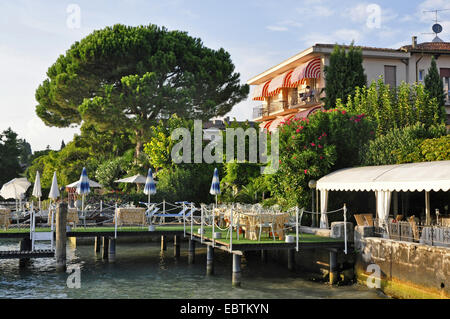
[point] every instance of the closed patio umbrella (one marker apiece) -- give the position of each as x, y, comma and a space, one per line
54, 194
215, 184
150, 187
83, 188
54, 189
37, 191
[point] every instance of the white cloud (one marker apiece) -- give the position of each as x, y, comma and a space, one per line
23, 72
292, 23
357, 13
39, 135
406, 18
315, 11
347, 35
276, 28
341, 36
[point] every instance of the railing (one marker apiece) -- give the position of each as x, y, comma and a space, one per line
447, 97
413, 231
259, 111
292, 103
214, 216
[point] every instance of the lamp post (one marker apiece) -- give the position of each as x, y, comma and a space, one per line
312, 184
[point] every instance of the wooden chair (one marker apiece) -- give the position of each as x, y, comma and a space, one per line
415, 229
264, 224
364, 219
5, 218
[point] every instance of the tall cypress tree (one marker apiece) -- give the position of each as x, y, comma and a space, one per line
434, 86
343, 74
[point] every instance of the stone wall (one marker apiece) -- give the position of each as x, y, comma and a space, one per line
407, 270
314, 264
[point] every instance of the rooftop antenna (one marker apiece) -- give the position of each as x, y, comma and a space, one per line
437, 28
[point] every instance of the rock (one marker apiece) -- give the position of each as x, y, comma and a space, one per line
337, 230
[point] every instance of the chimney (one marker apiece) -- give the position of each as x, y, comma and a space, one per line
414, 42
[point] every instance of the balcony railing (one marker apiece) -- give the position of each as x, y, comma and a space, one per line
302, 100
447, 97
259, 111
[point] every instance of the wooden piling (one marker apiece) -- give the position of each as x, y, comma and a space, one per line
264, 255
112, 246
236, 276
97, 244
61, 237
25, 245
210, 260
291, 259
105, 246
176, 246
191, 252
333, 268
163, 243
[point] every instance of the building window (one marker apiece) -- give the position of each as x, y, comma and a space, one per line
445, 75
421, 75
390, 76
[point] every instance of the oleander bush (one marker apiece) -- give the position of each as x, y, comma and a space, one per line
313, 147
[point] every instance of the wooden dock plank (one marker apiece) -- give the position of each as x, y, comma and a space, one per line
18, 254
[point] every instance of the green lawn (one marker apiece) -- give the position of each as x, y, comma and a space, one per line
265, 239
304, 238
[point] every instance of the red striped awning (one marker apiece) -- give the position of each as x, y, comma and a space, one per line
287, 80
274, 124
261, 91
279, 82
306, 113
265, 125
308, 70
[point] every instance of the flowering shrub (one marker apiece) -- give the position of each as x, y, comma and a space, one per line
313, 147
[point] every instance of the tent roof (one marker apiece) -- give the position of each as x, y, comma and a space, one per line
138, 179
426, 176
91, 184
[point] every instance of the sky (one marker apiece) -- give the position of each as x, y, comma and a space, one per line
257, 33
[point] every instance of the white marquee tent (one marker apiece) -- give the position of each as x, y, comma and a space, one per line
385, 179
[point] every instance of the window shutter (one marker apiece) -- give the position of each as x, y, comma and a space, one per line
390, 75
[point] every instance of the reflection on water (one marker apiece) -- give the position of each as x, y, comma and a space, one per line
143, 271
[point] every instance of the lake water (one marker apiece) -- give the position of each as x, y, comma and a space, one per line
143, 271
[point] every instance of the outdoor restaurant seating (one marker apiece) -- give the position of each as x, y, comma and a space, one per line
364, 219
72, 216
130, 216
253, 219
5, 218
266, 224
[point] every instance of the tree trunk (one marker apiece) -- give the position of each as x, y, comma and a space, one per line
139, 135
138, 148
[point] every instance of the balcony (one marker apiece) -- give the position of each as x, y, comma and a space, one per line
294, 102
259, 111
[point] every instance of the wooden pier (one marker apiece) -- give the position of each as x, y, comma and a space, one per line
19, 254
105, 242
